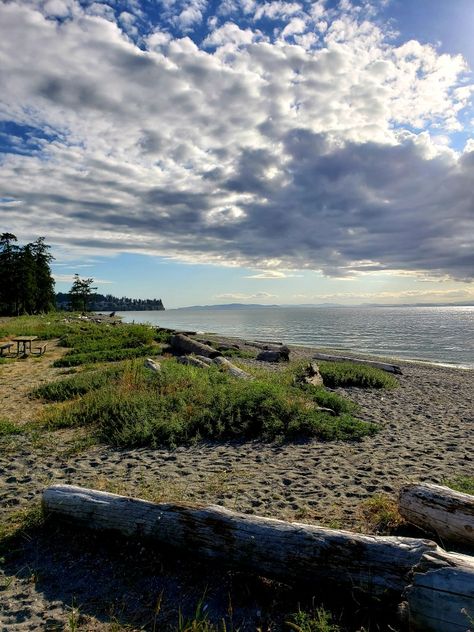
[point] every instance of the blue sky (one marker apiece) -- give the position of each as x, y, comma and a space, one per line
270, 152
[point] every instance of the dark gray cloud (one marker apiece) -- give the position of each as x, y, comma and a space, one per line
254, 152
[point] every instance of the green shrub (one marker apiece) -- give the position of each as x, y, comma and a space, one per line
336, 374
107, 355
93, 337
8, 428
45, 326
326, 399
183, 404
79, 384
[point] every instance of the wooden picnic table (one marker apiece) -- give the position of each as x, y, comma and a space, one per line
23, 342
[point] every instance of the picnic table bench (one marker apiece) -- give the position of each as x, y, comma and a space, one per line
24, 343
41, 349
5, 346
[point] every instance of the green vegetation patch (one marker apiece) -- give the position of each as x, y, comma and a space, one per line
92, 337
463, 484
183, 404
20, 522
317, 620
336, 374
77, 385
45, 326
8, 428
380, 514
107, 355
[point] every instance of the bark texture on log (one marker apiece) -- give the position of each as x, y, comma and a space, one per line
441, 596
184, 344
438, 509
192, 361
390, 368
291, 552
229, 367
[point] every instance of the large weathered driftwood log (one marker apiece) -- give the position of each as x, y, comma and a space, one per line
441, 510
292, 552
441, 595
390, 368
229, 367
184, 344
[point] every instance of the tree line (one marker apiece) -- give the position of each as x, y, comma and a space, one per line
26, 282
80, 292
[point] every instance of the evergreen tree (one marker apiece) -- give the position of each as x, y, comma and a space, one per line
8, 274
80, 293
45, 297
26, 283
26, 275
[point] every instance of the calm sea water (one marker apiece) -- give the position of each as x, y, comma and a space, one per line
435, 334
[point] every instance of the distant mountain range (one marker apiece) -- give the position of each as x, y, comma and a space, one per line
230, 306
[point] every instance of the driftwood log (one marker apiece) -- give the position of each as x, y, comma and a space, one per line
282, 354
229, 367
437, 587
440, 510
311, 375
184, 344
440, 597
154, 366
390, 368
286, 551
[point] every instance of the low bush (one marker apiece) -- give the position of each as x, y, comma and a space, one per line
336, 374
79, 384
107, 355
45, 326
8, 428
92, 337
182, 404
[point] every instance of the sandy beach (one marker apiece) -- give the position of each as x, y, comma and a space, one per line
426, 428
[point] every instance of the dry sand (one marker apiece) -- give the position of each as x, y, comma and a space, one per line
426, 435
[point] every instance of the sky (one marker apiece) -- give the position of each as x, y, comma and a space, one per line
259, 152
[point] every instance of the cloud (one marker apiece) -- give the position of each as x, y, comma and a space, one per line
418, 295
272, 274
69, 278
323, 154
244, 297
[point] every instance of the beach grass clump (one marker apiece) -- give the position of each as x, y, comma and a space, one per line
316, 620
343, 374
8, 428
77, 385
92, 343
91, 337
380, 514
183, 404
20, 522
106, 355
464, 484
44, 326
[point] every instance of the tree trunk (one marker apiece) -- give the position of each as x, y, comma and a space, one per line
290, 552
183, 344
390, 368
441, 510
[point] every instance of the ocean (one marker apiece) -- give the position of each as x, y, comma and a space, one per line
442, 335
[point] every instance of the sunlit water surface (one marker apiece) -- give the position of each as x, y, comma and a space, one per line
434, 334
